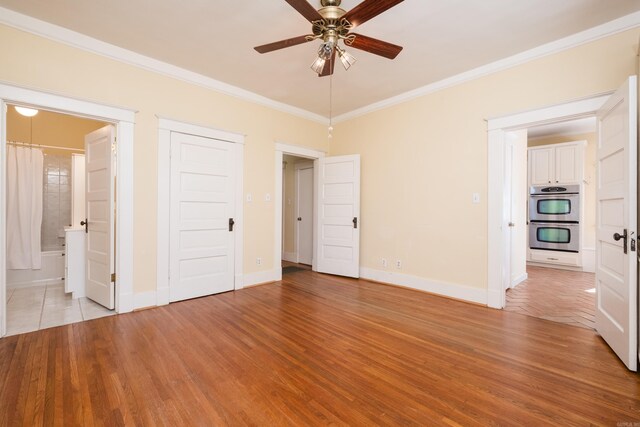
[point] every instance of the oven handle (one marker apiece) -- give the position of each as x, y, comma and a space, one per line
554, 195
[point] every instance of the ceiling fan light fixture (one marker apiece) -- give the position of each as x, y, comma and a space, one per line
318, 65
326, 50
346, 58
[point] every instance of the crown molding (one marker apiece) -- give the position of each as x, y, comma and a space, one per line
610, 28
71, 38
74, 39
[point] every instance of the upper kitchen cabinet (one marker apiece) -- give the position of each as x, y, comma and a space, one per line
556, 163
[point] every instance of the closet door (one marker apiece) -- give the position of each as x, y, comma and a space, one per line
201, 217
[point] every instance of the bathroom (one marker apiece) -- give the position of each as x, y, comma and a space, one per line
45, 199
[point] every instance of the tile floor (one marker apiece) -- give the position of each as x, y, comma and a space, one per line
559, 295
40, 307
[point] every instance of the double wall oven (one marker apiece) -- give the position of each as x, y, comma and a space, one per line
554, 218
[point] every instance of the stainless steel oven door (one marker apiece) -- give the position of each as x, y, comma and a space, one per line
554, 207
553, 236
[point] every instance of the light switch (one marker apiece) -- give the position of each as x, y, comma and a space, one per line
249, 198
476, 197
267, 197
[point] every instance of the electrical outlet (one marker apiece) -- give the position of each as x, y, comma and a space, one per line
398, 264
259, 261
249, 198
384, 262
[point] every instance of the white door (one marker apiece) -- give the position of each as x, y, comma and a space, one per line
201, 217
516, 188
616, 265
99, 202
338, 215
304, 212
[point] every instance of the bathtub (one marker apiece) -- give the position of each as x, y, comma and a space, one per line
52, 271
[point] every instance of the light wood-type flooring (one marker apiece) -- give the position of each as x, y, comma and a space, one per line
315, 350
558, 295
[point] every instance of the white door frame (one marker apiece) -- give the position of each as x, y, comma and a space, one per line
499, 256
124, 120
296, 182
165, 127
293, 150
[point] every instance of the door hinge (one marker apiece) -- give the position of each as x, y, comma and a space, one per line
113, 277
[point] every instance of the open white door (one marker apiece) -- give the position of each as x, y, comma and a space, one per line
202, 214
99, 211
616, 262
338, 213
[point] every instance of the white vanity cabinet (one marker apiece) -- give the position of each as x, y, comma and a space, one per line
74, 264
557, 163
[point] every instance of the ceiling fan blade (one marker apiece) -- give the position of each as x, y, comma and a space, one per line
281, 44
329, 66
305, 9
375, 46
368, 9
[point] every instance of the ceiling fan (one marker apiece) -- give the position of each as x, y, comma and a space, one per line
331, 24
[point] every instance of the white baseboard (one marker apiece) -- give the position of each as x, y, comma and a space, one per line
589, 260
144, 300
290, 256
261, 277
451, 290
515, 282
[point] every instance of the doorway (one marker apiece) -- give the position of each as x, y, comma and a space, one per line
123, 121
616, 308
552, 169
298, 217
45, 182
285, 249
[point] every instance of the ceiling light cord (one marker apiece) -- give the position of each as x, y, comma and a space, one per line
331, 99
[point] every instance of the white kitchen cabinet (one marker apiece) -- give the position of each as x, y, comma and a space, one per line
556, 163
74, 267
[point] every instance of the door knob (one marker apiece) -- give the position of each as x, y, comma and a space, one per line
618, 236
299, 218
86, 225
511, 224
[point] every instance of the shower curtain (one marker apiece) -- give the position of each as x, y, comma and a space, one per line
24, 207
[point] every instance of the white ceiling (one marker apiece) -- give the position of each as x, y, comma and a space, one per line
441, 38
572, 127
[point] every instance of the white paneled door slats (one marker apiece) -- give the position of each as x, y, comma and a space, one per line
616, 222
338, 225
99, 204
202, 217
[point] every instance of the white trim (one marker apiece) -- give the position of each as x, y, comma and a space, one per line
515, 282
71, 38
498, 262
290, 256
144, 300
281, 150
199, 130
589, 260
124, 121
601, 31
262, 277
165, 128
451, 290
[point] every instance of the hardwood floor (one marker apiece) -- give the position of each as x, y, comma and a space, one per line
558, 295
315, 350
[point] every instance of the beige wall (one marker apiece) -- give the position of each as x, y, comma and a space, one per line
423, 159
35, 62
589, 177
48, 128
